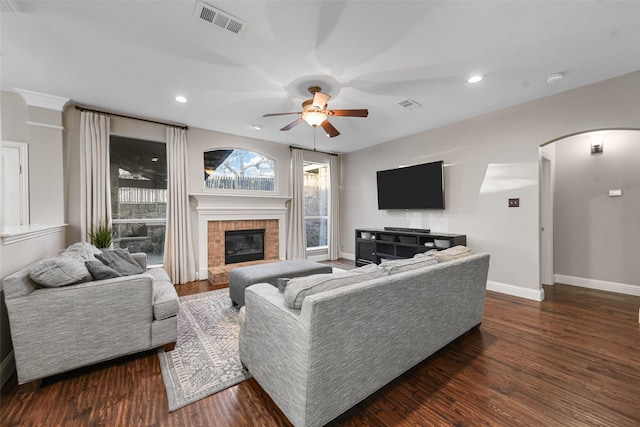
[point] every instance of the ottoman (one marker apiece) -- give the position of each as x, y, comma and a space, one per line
242, 277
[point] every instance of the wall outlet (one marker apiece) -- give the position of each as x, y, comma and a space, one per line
514, 203
615, 193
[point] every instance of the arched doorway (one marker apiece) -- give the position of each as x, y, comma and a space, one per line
590, 210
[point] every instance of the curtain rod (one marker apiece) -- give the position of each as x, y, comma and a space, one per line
93, 110
291, 147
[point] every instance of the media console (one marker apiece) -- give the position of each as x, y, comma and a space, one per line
374, 245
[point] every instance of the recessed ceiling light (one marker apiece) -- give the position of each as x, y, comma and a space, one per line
555, 78
154, 159
256, 126
181, 99
474, 79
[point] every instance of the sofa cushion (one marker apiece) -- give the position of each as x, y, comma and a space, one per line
453, 253
59, 271
99, 271
300, 287
121, 261
165, 297
401, 265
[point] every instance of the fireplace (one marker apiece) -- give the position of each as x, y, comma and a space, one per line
243, 246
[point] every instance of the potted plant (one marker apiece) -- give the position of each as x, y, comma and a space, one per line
101, 235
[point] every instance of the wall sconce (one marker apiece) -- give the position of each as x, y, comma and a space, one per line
596, 148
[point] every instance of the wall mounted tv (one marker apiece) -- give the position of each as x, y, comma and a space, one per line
412, 187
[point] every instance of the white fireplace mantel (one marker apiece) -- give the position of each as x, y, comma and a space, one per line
233, 206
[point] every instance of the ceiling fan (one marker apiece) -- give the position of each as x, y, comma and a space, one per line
315, 113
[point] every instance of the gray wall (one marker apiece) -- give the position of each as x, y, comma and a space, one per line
198, 141
39, 128
596, 236
489, 159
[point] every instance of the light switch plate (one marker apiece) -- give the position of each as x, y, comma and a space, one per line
615, 193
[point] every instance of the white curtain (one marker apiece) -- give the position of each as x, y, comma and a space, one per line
296, 237
179, 259
334, 208
95, 199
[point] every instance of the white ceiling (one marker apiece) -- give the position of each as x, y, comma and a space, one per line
134, 57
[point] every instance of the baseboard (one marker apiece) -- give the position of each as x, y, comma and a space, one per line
7, 367
347, 255
601, 285
516, 291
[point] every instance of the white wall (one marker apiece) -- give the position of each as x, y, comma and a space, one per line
490, 158
597, 236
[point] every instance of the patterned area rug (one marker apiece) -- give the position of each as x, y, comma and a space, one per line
205, 359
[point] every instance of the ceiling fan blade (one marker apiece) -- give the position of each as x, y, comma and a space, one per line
280, 114
320, 100
349, 113
329, 129
292, 124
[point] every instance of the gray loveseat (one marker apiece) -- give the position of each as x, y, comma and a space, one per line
56, 329
345, 343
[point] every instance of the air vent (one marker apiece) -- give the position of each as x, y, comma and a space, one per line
409, 103
217, 18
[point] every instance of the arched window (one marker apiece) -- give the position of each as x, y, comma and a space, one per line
238, 169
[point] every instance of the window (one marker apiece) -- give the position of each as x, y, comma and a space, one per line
15, 176
139, 196
237, 169
316, 204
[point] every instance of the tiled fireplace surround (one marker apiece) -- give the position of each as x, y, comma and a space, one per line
218, 271
217, 213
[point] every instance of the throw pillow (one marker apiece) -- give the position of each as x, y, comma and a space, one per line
401, 265
59, 271
427, 254
369, 268
99, 271
121, 261
82, 251
299, 288
282, 283
453, 253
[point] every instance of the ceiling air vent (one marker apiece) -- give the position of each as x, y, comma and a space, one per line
409, 103
217, 18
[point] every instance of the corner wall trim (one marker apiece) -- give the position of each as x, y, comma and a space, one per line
516, 291
601, 285
7, 367
45, 125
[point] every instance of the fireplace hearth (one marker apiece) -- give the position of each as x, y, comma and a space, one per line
243, 246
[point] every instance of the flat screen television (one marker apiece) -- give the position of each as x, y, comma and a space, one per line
412, 187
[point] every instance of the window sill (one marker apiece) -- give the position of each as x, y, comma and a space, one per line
21, 233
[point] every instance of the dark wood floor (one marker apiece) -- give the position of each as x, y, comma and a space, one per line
571, 360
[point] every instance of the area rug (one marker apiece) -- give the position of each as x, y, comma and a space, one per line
205, 359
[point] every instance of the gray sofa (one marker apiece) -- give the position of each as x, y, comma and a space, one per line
345, 343
59, 328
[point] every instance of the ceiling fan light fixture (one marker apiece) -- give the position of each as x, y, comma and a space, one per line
314, 118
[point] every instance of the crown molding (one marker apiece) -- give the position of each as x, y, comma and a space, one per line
43, 100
